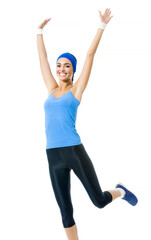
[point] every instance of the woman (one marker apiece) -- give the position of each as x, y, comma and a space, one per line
64, 149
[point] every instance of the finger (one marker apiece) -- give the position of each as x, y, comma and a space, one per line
47, 20
105, 13
109, 12
100, 13
106, 10
110, 18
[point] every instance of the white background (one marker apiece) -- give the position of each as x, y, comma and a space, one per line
113, 118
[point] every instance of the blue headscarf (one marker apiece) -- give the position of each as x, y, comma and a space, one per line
71, 59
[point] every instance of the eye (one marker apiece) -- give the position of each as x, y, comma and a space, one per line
66, 66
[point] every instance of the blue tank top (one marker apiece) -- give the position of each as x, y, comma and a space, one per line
60, 119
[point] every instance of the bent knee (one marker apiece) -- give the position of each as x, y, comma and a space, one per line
103, 200
100, 204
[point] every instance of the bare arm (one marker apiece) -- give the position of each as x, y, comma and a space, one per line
95, 41
105, 18
49, 80
84, 77
41, 47
82, 81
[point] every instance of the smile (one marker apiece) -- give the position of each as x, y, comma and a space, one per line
62, 74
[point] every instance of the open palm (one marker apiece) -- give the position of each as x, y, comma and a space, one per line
105, 18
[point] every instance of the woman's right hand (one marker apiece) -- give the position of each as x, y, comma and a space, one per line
44, 23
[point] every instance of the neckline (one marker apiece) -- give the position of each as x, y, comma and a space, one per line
62, 95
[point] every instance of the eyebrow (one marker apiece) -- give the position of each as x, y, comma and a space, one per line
65, 63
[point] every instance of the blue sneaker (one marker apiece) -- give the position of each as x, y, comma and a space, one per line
129, 196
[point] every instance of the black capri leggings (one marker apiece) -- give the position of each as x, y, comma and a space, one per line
61, 160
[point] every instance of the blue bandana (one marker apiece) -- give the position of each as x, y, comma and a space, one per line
71, 59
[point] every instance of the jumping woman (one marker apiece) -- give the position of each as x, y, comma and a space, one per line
64, 149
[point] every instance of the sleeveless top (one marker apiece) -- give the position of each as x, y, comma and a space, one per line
60, 119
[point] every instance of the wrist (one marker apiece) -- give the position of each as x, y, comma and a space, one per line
102, 25
39, 31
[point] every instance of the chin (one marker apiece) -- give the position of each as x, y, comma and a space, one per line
64, 80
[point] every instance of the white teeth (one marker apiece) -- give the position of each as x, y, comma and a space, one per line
62, 74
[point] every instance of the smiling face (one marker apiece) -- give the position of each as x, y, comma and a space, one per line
64, 69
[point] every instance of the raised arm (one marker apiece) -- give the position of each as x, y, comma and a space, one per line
82, 81
49, 80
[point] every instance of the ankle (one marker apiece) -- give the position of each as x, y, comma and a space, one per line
121, 191
115, 193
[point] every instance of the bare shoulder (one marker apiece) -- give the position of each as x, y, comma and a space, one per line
52, 88
77, 91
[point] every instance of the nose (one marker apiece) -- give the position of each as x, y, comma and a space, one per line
62, 68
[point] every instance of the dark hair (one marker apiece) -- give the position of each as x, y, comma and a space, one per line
76, 61
72, 78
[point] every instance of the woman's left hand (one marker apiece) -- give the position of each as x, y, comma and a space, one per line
105, 18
